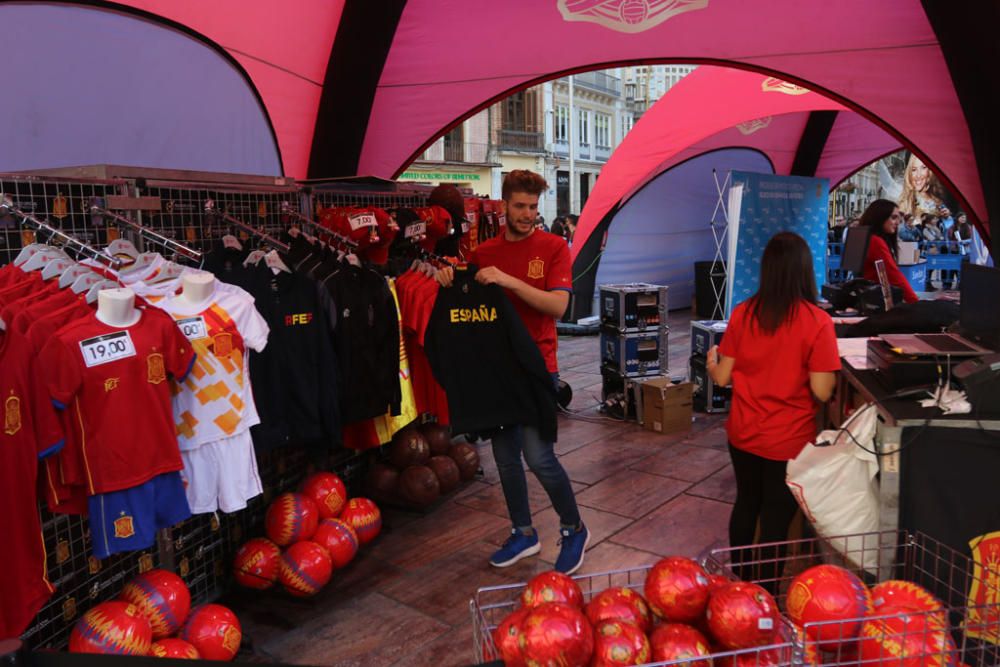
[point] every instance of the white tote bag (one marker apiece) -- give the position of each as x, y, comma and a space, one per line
833, 480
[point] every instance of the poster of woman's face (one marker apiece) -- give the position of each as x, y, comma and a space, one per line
920, 190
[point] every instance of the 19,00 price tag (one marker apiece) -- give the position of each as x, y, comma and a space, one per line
109, 347
193, 327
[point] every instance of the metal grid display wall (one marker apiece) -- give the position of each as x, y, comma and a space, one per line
63, 203
200, 549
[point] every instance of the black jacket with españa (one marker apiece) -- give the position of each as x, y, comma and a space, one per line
486, 361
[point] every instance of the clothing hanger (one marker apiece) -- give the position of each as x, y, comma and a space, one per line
41, 258
70, 275
169, 271
85, 282
123, 247
56, 267
274, 262
142, 261
230, 241
27, 251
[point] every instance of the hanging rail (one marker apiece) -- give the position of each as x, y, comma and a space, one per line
286, 209
7, 204
96, 206
210, 209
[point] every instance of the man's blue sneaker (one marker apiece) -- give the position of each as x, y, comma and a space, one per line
517, 546
574, 543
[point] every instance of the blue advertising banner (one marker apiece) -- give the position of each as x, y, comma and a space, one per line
760, 206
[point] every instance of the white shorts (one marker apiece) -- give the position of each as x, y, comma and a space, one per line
221, 475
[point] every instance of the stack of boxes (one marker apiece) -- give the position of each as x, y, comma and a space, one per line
633, 338
707, 396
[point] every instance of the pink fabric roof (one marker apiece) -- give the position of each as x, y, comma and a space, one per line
450, 57
759, 114
284, 48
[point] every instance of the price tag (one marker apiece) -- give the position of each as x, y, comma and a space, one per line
107, 348
360, 220
465, 227
193, 327
415, 229
766, 623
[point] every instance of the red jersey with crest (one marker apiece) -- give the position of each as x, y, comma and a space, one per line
542, 260
114, 380
30, 432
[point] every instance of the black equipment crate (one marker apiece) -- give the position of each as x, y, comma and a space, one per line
635, 354
634, 306
708, 397
705, 334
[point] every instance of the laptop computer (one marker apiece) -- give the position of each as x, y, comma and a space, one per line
979, 321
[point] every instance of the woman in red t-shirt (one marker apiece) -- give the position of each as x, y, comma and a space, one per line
883, 217
779, 351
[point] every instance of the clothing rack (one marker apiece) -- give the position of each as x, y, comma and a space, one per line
145, 232
7, 204
210, 209
286, 209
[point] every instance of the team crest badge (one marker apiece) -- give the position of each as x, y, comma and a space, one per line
145, 563
156, 372
983, 618
774, 85
262, 209
60, 207
754, 125
12, 415
222, 344
627, 15
231, 639
69, 609
93, 565
536, 269
124, 528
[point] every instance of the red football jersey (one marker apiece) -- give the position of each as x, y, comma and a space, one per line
773, 414
29, 432
115, 381
542, 260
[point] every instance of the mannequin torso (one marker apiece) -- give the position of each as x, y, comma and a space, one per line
116, 307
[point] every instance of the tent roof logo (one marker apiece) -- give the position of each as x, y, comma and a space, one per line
775, 85
751, 126
630, 16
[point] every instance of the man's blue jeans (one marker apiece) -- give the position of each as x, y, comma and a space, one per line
508, 446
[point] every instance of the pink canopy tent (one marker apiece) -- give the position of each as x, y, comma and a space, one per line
760, 113
351, 87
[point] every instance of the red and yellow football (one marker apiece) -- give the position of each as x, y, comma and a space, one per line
552, 586
556, 634
677, 589
162, 597
897, 593
256, 563
364, 517
215, 631
622, 604
742, 615
327, 490
292, 517
507, 638
339, 540
305, 569
177, 649
831, 596
114, 627
678, 641
906, 638
619, 643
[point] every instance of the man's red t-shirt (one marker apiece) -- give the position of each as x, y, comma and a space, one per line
773, 413
115, 380
542, 260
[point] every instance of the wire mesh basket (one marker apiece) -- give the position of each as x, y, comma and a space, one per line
960, 624
493, 603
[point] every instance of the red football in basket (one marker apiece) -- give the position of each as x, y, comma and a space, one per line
742, 615
290, 518
831, 596
256, 563
677, 641
507, 638
896, 593
905, 638
619, 643
327, 491
556, 634
552, 586
114, 627
339, 540
677, 589
162, 597
215, 631
621, 604
178, 649
364, 517
305, 569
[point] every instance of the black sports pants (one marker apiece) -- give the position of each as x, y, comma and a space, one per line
761, 496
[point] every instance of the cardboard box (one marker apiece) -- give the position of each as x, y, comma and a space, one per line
666, 407
909, 252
